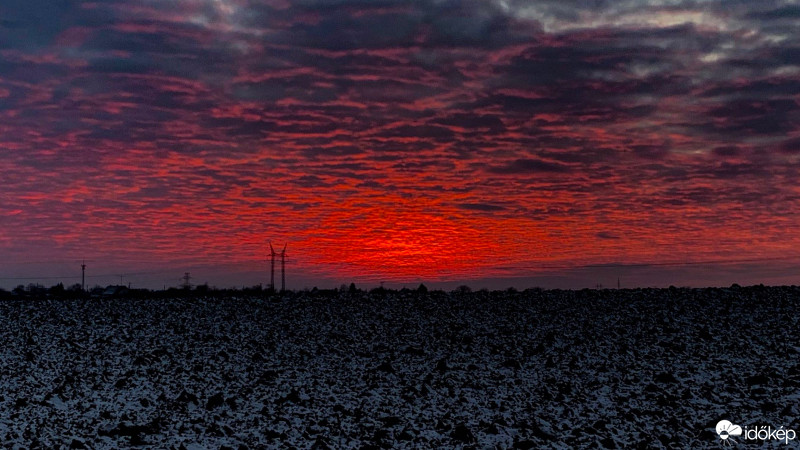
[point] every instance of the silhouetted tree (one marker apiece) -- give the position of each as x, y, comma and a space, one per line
57, 290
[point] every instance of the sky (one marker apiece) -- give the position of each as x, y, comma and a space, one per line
497, 143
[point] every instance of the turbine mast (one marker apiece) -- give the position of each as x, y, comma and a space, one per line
283, 268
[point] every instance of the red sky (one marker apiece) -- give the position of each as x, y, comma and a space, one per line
490, 143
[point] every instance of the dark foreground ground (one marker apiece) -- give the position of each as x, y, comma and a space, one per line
629, 368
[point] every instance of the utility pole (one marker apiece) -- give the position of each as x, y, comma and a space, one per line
83, 276
186, 279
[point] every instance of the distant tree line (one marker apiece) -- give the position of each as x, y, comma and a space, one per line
59, 291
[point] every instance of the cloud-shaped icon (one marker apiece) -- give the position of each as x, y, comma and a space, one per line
725, 430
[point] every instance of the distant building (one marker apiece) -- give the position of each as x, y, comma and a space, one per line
116, 291
110, 291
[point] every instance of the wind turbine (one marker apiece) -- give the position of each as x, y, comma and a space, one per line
272, 267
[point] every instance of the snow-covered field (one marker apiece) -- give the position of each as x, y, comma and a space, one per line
613, 368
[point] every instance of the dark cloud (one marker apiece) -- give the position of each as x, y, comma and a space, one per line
457, 23
577, 152
756, 89
335, 151
523, 166
650, 151
33, 24
485, 207
312, 181
388, 90
727, 151
122, 66
791, 146
754, 117
787, 12
732, 171
461, 23
304, 88
109, 39
339, 30
418, 132
482, 123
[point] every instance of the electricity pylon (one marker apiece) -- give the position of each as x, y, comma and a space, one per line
186, 277
273, 254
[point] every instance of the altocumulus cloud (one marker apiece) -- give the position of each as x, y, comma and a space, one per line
535, 126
